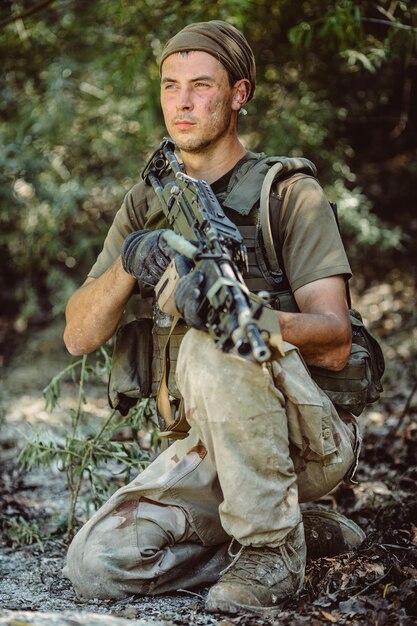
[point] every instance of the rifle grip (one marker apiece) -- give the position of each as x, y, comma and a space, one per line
165, 290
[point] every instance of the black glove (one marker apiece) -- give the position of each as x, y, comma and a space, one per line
145, 255
189, 294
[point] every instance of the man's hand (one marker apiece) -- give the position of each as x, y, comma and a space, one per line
189, 294
145, 255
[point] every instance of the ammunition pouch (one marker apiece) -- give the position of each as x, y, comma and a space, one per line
130, 378
359, 382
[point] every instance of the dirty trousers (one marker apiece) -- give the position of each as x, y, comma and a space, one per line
262, 439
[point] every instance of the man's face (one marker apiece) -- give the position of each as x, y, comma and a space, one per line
196, 100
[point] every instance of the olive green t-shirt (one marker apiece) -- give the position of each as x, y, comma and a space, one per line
311, 245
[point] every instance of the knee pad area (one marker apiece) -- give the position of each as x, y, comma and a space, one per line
159, 526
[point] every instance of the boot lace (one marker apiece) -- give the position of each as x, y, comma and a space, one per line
250, 563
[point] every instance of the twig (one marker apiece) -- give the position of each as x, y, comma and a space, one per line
62, 373
75, 488
406, 408
191, 593
395, 547
19, 16
76, 417
375, 20
375, 582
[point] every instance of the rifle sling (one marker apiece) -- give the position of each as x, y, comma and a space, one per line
176, 427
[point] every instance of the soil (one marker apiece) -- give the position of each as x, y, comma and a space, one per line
377, 584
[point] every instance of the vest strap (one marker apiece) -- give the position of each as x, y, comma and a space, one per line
278, 172
264, 217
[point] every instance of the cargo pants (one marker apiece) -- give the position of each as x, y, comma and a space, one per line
262, 440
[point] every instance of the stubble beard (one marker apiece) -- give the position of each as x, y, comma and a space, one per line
220, 119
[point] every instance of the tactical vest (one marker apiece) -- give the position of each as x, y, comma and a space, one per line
241, 204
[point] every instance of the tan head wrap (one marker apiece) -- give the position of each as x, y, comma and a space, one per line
221, 40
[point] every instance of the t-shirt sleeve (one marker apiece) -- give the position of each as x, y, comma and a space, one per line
130, 217
311, 244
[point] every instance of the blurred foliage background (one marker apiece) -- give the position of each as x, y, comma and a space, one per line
79, 113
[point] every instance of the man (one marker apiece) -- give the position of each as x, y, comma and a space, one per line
262, 438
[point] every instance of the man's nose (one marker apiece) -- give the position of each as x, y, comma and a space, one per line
184, 99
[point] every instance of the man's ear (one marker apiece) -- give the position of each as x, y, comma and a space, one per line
241, 91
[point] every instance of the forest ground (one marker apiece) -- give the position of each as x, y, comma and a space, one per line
377, 585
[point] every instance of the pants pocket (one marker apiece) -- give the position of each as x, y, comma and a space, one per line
310, 412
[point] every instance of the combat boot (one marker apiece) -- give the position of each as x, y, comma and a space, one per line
329, 533
261, 577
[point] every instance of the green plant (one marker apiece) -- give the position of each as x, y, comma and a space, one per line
21, 531
82, 457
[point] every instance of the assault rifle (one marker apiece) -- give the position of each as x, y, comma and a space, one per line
203, 233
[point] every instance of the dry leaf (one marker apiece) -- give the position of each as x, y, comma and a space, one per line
329, 616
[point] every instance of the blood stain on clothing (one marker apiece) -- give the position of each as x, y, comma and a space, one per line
127, 511
279, 380
189, 414
301, 467
200, 449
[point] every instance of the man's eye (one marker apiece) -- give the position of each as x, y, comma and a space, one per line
202, 85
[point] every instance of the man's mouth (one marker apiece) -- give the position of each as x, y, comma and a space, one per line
183, 124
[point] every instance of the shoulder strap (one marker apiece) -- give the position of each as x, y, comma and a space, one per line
283, 167
276, 173
265, 219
